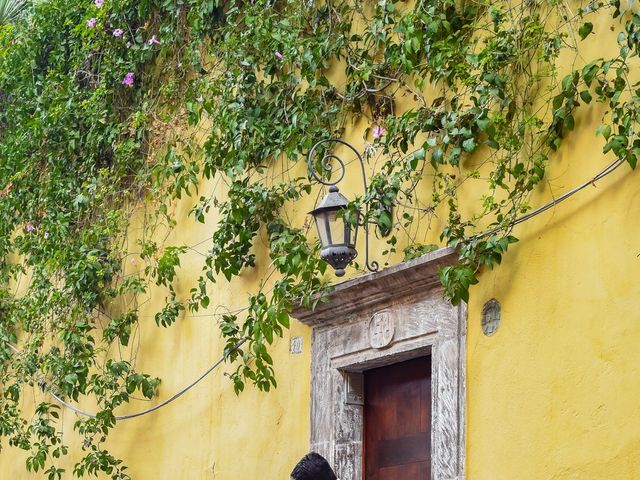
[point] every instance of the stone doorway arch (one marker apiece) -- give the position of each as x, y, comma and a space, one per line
379, 319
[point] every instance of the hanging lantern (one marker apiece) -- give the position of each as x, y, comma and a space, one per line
337, 235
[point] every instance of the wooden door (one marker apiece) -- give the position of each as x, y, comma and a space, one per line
397, 421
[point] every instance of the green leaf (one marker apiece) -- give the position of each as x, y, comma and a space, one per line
558, 100
585, 30
585, 96
588, 73
569, 122
606, 131
483, 123
469, 145
436, 156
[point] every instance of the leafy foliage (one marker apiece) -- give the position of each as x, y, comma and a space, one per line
112, 104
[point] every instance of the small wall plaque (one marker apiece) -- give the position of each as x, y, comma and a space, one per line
354, 391
295, 345
381, 329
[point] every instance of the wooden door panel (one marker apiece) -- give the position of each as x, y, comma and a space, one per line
397, 414
403, 450
402, 472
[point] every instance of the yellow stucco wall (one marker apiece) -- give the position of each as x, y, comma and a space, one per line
552, 395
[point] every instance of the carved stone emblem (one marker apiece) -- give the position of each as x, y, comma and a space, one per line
381, 329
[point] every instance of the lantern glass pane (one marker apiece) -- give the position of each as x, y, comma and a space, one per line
337, 227
323, 228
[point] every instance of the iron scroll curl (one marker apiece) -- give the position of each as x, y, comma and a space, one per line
326, 164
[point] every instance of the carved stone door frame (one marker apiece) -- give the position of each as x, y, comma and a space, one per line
376, 320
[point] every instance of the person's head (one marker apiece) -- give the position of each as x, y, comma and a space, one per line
313, 467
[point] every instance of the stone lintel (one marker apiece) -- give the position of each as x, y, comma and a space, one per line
386, 287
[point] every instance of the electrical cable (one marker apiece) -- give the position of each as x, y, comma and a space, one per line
600, 175
169, 400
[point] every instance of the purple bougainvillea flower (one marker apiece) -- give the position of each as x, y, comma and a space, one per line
378, 131
118, 32
29, 227
128, 79
279, 56
99, 3
154, 41
91, 23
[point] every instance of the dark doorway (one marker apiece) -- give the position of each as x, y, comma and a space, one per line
397, 421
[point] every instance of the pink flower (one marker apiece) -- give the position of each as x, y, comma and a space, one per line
91, 23
279, 56
117, 32
29, 227
154, 40
378, 131
99, 3
128, 79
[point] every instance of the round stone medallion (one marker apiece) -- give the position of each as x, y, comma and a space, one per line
381, 329
490, 317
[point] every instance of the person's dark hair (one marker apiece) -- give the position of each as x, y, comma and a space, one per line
313, 467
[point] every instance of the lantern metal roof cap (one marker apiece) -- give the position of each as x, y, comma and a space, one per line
334, 200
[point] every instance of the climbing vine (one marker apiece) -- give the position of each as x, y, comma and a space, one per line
111, 108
